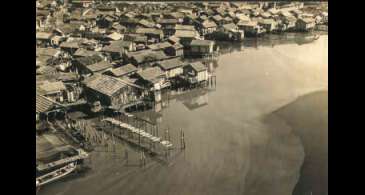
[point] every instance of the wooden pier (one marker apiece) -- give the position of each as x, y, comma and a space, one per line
139, 137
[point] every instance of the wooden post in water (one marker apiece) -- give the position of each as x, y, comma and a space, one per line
182, 139
126, 155
215, 81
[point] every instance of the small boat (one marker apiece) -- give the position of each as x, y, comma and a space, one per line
54, 175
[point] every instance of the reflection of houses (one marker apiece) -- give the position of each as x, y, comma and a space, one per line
109, 91
195, 99
196, 72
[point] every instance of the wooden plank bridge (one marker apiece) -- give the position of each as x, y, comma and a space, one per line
145, 140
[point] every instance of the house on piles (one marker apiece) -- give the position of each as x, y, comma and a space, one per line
196, 73
288, 19
250, 28
172, 67
199, 48
228, 32
152, 78
305, 24
103, 91
268, 24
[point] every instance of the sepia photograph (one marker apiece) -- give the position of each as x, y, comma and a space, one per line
181, 97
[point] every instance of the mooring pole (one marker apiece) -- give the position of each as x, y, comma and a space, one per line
126, 155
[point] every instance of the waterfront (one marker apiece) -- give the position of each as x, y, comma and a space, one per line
236, 143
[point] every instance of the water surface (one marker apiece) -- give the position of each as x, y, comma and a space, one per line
238, 140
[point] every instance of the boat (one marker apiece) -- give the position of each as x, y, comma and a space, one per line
54, 175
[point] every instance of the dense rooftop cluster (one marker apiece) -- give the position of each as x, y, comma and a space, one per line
117, 53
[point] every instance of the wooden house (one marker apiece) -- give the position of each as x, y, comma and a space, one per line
153, 35
172, 67
218, 19
229, 32
290, 22
44, 39
123, 71
98, 67
70, 46
152, 78
201, 47
206, 27
175, 50
81, 62
109, 91
159, 46
81, 52
81, 3
196, 72
145, 58
168, 26
305, 24
47, 108
268, 24
53, 90
146, 24
186, 36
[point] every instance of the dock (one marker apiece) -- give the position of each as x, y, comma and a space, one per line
150, 140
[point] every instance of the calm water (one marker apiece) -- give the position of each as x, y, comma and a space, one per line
253, 134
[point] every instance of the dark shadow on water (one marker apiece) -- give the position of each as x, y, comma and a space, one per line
308, 118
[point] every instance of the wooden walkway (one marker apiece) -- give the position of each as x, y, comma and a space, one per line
143, 134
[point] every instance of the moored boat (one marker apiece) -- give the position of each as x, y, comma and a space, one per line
57, 174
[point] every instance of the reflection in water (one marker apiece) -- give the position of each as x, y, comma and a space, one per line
232, 145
